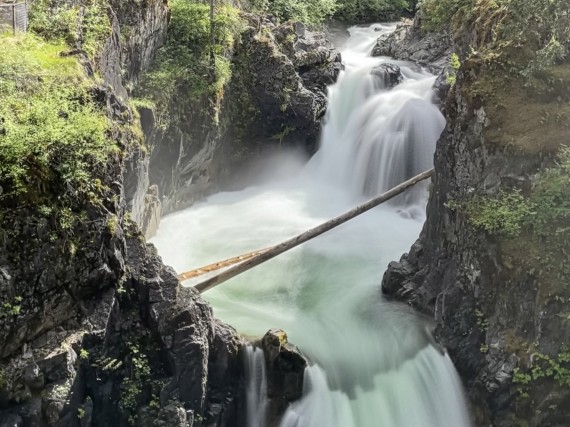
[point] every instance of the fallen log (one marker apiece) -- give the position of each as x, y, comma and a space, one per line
253, 259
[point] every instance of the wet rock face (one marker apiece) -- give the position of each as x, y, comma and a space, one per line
95, 330
137, 32
409, 43
127, 353
388, 74
489, 314
285, 367
278, 89
276, 97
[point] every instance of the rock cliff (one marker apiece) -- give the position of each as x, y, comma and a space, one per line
275, 97
496, 284
95, 329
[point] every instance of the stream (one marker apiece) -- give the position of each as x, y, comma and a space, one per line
373, 362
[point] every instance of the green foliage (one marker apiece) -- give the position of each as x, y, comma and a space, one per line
312, 12
454, 63
527, 36
133, 384
542, 24
183, 65
55, 20
543, 366
11, 308
50, 129
80, 413
113, 225
438, 14
503, 214
371, 10
551, 195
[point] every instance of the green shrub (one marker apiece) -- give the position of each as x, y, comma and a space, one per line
55, 20
503, 214
438, 14
454, 63
551, 194
50, 129
183, 65
533, 33
372, 10
542, 25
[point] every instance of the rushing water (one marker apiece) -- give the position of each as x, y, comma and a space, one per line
373, 362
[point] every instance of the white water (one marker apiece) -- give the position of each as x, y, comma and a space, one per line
373, 361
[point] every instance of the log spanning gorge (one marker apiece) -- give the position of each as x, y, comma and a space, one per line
372, 362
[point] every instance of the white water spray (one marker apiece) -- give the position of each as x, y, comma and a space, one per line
374, 362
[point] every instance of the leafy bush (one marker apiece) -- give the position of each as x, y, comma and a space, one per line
551, 194
542, 24
312, 12
454, 64
372, 10
438, 14
538, 30
503, 214
50, 129
545, 211
55, 20
183, 65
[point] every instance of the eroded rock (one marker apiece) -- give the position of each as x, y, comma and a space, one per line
389, 75
408, 42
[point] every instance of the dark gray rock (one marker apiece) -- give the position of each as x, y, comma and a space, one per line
285, 367
442, 84
490, 315
95, 329
408, 42
389, 75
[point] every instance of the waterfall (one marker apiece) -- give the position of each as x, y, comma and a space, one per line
256, 390
377, 136
373, 363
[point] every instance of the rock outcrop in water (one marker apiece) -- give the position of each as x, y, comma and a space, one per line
389, 74
285, 367
410, 43
498, 297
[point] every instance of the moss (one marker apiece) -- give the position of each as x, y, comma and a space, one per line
523, 118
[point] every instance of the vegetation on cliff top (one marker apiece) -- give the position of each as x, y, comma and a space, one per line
83, 26
183, 65
522, 35
315, 12
50, 128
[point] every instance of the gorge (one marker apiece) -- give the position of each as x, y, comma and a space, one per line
112, 116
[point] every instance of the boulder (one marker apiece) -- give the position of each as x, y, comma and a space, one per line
409, 43
389, 75
285, 368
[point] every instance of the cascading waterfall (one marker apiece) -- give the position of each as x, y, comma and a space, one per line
375, 136
256, 401
374, 362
